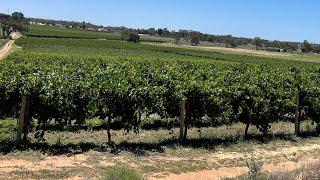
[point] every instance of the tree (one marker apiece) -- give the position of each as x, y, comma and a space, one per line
12, 26
316, 49
231, 43
9, 24
184, 33
165, 32
5, 16
160, 32
211, 38
177, 38
257, 41
134, 37
83, 25
17, 16
152, 31
306, 47
130, 36
195, 38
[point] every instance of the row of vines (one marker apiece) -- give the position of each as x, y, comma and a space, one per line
69, 87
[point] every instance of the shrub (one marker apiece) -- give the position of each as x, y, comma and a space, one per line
120, 173
130, 36
94, 122
7, 125
254, 169
7, 128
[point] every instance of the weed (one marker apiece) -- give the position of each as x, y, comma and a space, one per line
254, 168
120, 172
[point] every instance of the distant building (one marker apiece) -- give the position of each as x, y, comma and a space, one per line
91, 29
103, 29
273, 49
37, 23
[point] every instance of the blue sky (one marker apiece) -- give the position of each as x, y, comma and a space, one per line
294, 20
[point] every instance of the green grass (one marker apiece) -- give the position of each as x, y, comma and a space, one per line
155, 39
119, 172
124, 50
3, 41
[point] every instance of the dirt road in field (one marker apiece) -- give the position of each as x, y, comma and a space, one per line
284, 159
5, 50
226, 164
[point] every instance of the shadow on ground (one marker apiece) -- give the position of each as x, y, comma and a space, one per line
142, 148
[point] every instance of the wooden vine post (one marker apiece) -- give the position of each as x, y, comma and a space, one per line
27, 118
110, 110
297, 114
183, 113
22, 118
109, 127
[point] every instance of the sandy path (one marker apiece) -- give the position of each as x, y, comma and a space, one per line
5, 50
282, 154
233, 172
214, 174
277, 160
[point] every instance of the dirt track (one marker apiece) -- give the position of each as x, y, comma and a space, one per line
5, 50
284, 157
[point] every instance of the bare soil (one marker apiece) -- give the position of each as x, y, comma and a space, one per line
227, 164
15, 35
5, 50
155, 155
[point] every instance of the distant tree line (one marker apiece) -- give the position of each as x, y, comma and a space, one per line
69, 24
12, 23
195, 37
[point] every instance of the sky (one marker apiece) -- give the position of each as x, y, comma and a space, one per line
291, 20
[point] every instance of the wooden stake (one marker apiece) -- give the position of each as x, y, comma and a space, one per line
297, 114
27, 119
108, 129
22, 115
183, 113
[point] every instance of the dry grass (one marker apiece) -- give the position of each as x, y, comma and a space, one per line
158, 154
305, 171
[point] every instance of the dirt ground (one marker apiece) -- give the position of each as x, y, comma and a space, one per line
5, 50
227, 164
15, 35
217, 154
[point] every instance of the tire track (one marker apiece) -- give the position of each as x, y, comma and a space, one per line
5, 50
